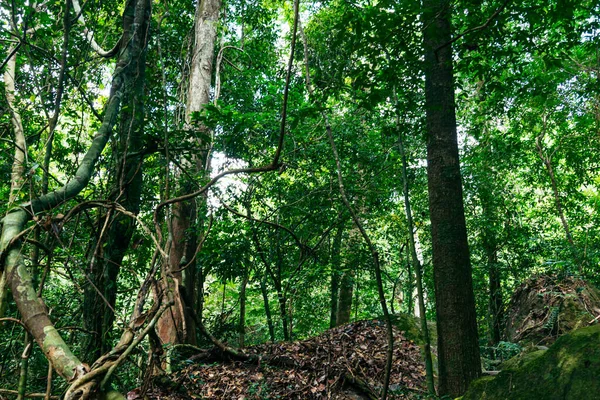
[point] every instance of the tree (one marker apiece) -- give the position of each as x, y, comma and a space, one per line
458, 346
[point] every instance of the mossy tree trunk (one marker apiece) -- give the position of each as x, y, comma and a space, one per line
458, 347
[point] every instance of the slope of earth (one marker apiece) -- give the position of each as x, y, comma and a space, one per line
568, 370
346, 362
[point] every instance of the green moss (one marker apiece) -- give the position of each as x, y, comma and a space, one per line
409, 325
525, 357
568, 370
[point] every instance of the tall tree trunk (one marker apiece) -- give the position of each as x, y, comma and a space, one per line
109, 251
458, 348
410, 288
547, 160
178, 325
33, 311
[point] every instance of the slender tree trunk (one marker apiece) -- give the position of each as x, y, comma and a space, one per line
17, 176
242, 324
282, 300
458, 348
335, 275
265, 295
345, 297
410, 287
415, 263
495, 305
547, 160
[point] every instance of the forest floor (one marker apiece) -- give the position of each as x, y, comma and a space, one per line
347, 362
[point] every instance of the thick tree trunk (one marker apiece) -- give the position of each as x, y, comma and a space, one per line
32, 310
109, 251
458, 348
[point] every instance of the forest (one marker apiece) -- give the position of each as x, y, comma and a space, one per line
336, 199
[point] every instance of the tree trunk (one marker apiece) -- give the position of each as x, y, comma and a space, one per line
178, 325
265, 295
242, 324
107, 255
458, 348
335, 275
18, 167
410, 287
495, 305
415, 262
345, 297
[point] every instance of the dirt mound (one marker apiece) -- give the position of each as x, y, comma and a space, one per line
569, 370
346, 362
546, 307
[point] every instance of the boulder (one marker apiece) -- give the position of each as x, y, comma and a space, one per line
568, 370
547, 306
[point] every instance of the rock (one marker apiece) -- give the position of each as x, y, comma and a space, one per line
568, 370
546, 306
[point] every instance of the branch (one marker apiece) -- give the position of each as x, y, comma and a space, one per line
89, 35
263, 221
475, 29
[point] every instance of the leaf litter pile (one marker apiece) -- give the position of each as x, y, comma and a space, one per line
347, 362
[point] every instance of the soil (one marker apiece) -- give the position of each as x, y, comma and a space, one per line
346, 362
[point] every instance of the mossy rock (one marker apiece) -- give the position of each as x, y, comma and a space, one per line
411, 326
568, 370
525, 357
548, 306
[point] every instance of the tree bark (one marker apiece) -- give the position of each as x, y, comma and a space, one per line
495, 305
265, 295
458, 348
242, 323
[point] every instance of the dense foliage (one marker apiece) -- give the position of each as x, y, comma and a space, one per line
279, 256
